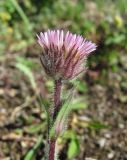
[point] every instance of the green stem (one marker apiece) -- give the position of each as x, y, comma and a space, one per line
57, 104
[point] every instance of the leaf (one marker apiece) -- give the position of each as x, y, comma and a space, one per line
69, 134
27, 71
73, 149
81, 86
32, 153
79, 103
113, 58
119, 21
62, 116
26, 62
45, 104
18, 45
49, 85
74, 146
35, 128
97, 125
22, 14
115, 39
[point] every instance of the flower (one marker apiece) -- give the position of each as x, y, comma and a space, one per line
63, 54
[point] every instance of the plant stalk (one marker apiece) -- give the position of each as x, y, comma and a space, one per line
57, 98
57, 105
51, 155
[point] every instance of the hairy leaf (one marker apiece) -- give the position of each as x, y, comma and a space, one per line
62, 117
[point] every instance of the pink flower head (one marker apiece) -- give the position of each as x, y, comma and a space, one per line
63, 54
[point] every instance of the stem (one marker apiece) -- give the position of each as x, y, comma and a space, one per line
57, 104
52, 149
57, 99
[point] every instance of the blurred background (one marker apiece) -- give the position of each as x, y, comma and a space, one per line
98, 124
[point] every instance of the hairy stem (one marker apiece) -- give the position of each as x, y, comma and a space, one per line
52, 144
57, 104
57, 99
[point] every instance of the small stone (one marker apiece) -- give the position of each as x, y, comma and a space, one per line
121, 126
110, 155
3, 111
102, 142
107, 135
90, 158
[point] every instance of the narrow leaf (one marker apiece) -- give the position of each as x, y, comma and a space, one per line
35, 128
62, 116
73, 149
79, 103
32, 153
27, 71
97, 125
26, 62
45, 104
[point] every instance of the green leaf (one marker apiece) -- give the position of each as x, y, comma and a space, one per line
26, 62
97, 125
32, 153
69, 134
62, 116
19, 45
74, 146
79, 103
27, 71
22, 14
115, 39
81, 86
45, 104
113, 57
49, 85
35, 128
73, 149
